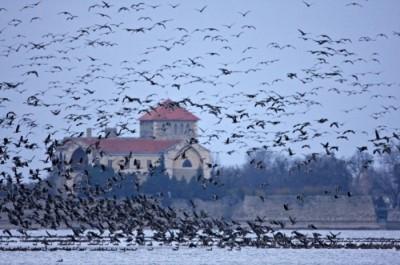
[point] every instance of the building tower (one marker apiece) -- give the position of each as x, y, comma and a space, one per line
168, 121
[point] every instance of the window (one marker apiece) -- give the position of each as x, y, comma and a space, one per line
136, 163
163, 127
81, 183
149, 164
125, 162
187, 163
79, 158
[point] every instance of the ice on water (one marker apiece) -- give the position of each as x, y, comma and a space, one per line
155, 254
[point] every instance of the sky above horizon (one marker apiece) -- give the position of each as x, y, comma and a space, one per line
286, 76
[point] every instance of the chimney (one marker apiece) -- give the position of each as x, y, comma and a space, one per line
111, 132
88, 132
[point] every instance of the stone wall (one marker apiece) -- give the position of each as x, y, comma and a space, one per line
198, 156
174, 129
355, 212
146, 129
322, 210
393, 219
142, 162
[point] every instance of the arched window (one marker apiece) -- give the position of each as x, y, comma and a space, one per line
187, 163
79, 158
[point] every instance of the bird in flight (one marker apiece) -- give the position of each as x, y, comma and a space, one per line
201, 10
307, 4
244, 14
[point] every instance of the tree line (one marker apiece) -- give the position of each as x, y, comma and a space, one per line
264, 173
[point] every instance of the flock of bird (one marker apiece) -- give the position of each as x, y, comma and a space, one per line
103, 224
108, 63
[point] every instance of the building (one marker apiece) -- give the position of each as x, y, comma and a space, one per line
168, 134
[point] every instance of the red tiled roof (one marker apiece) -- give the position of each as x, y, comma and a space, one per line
127, 145
168, 110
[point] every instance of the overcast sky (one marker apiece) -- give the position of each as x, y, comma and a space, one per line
337, 60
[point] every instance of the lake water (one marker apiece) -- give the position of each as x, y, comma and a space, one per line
167, 255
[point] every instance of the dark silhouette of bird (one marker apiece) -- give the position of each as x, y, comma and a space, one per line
201, 10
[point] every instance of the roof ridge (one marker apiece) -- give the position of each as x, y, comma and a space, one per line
134, 145
168, 110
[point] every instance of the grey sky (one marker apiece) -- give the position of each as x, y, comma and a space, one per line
247, 45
